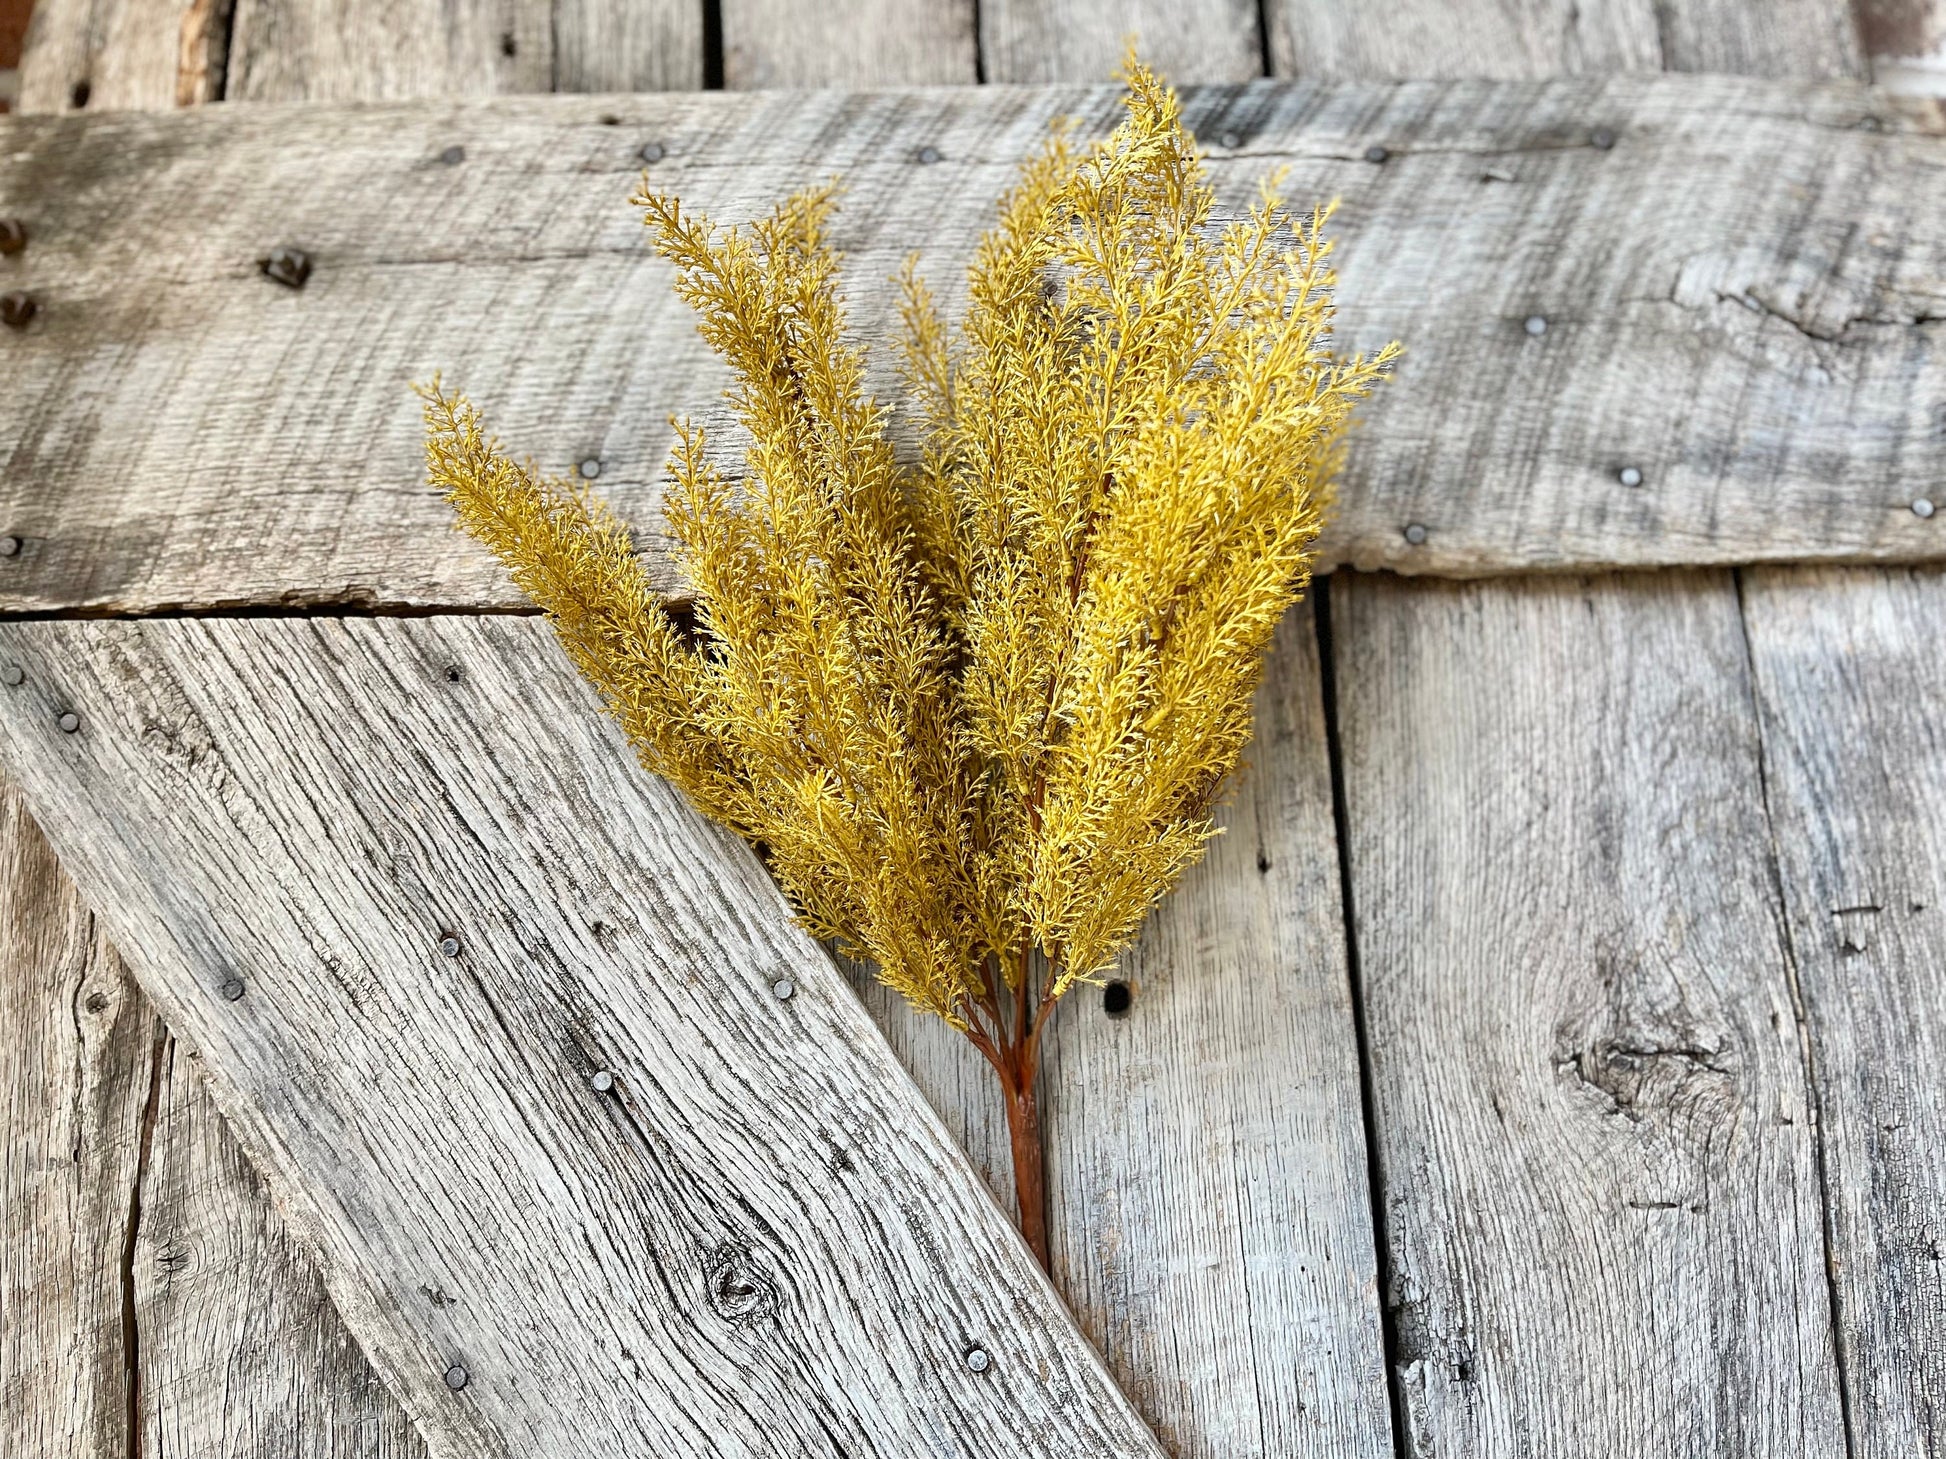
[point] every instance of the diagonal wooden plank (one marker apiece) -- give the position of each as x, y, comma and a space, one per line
1594, 1130
1853, 702
756, 1239
1756, 344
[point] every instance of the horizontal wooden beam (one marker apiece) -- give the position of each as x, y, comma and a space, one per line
1725, 291
598, 1152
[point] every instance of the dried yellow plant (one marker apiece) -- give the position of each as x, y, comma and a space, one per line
977, 710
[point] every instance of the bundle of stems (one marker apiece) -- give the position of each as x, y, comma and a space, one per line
974, 708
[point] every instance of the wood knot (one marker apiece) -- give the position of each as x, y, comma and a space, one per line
737, 1290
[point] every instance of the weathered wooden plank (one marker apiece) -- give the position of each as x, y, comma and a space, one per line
1192, 42
243, 1355
773, 43
1536, 38
757, 1240
627, 45
116, 54
388, 50
1596, 1152
1853, 702
1756, 343
80, 1049
1209, 1201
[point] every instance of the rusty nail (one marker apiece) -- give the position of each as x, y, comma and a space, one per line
17, 308
231, 990
602, 1081
13, 676
69, 722
287, 266
978, 1359
9, 547
928, 155
1629, 476
13, 235
452, 155
449, 945
591, 468
1376, 153
1536, 325
1415, 533
456, 1377
1601, 139
782, 989
654, 152
1922, 507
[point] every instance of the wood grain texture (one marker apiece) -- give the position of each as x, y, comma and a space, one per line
1209, 1201
775, 43
243, 1355
1513, 39
389, 50
1192, 42
1853, 699
759, 1241
110, 55
1599, 1184
627, 45
1756, 343
80, 1048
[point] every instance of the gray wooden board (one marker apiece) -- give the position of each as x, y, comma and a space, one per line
1533, 38
243, 1355
1853, 697
774, 43
759, 1241
1192, 42
77, 1049
1208, 1202
1741, 297
1598, 1175
127, 54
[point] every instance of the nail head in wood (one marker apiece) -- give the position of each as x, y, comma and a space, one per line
290, 267
456, 1377
1230, 141
978, 1359
13, 236
231, 990
9, 546
1601, 139
1922, 507
1629, 476
928, 155
449, 945
1415, 533
602, 1081
1536, 325
1376, 153
591, 468
16, 309
453, 155
653, 152
13, 676
69, 722
783, 989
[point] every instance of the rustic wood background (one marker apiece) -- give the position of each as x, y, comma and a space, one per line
1548, 1060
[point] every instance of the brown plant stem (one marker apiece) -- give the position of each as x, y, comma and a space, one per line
1030, 1160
